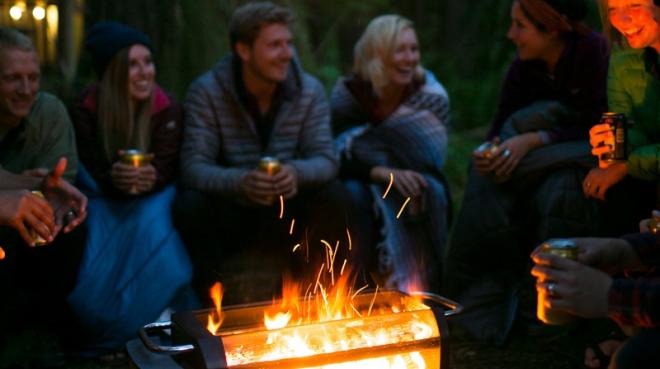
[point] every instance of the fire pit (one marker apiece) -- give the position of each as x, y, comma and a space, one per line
379, 329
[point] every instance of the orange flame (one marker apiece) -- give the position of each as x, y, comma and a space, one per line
352, 319
2, 253
215, 318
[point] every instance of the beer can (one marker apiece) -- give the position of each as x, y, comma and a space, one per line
654, 225
619, 126
270, 165
487, 149
38, 240
566, 249
134, 157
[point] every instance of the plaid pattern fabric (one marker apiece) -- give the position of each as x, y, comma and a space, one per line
636, 301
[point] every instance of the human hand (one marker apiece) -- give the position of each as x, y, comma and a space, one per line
644, 223
577, 288
259, 188
601, 138
599, 180
286, 181
483, 156
25, 211
68, 203
611, 255
408, 183
512, 151
125, 177
146, 178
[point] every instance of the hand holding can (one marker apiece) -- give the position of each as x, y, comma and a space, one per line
564, 248
136, 158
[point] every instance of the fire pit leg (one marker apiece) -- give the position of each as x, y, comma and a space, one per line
209, 351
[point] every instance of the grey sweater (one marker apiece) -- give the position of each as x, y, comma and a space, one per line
221, 143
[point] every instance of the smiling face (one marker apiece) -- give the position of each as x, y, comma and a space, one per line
401, 66
267, 60
141, 73
19, 85
637, 21
531, 42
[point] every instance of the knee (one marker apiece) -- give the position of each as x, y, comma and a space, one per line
639, 352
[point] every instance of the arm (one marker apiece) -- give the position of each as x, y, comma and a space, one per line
166, 143
513, 96
202, 144
91, 153
58, 138
590, 100
317, 163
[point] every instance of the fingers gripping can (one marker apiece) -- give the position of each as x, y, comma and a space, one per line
38, 240
566, 249
269, 165
619, 127
487, 149
134, 157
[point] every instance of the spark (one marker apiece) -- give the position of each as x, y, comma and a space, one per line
328, 254
281, 206
389, 186
296, 247
318, 277
372, 301
358, 291
403, 207
342, 267
350, 242
293, 222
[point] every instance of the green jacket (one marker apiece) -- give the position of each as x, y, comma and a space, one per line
43, 137
634, 91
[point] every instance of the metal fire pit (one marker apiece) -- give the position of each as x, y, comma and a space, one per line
193, 346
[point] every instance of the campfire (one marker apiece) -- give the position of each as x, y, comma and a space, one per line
324, 322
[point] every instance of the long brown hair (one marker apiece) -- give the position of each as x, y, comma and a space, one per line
548, 19
121, 125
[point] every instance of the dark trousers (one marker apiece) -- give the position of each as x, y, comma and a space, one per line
248, 248
34, 282
641, 351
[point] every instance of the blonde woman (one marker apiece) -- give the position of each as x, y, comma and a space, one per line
392, 118
135, 266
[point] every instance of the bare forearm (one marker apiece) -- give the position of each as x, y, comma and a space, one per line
11, 181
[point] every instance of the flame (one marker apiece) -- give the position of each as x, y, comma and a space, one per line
2, 253
326, 315
215, 318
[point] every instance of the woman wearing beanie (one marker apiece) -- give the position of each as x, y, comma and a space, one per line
528, 187
135, 265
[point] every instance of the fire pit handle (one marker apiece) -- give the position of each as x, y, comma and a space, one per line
153, 347
455, 307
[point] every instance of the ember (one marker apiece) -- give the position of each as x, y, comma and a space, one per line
327, 316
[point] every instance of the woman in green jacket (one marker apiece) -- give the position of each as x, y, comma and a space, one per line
633, 88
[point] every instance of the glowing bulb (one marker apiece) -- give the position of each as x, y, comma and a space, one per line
16, 12
39, 13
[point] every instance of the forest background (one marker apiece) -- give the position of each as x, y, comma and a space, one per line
463, 42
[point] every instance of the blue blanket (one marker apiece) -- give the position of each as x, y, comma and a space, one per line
133, 266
